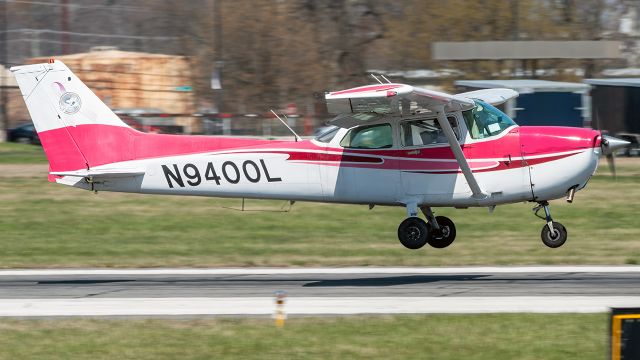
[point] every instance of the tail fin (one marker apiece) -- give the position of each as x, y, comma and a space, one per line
73, 124
79, 132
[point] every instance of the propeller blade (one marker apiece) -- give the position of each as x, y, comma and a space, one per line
611, 160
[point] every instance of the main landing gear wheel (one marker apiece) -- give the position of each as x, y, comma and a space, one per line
444, 236
556, 238
413, 233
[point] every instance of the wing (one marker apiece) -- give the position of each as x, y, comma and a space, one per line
491, 96
388, 98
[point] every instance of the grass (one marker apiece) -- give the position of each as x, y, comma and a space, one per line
49, 225
487, 336
14, 153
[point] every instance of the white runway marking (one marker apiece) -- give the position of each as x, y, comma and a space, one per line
344, 270
309, 305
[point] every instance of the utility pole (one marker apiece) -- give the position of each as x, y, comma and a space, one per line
4, 121
64, 19
218, 57
515, 32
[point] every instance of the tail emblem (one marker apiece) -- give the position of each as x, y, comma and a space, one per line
70, 103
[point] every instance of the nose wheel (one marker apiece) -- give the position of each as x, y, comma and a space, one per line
556, 237
553, 234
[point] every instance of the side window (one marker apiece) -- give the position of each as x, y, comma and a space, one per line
369, 137
426, 132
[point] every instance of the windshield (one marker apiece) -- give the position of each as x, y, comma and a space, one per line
326, 133
485, 120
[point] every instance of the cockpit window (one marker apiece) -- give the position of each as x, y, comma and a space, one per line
485, 120
369, 137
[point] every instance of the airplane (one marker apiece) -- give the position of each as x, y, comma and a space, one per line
391, 144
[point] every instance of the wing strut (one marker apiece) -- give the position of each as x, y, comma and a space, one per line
457, 152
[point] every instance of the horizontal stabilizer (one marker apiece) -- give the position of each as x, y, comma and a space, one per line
103, 173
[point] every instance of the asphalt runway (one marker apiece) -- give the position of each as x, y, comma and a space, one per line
320, 285
317, 291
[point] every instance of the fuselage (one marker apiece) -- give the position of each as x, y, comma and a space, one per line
517, 164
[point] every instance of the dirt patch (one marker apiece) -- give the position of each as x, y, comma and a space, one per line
23, 170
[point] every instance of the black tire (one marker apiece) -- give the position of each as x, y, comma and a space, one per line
413, 233
444, 236
557, 239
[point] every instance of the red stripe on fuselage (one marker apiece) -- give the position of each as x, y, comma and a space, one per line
105, 144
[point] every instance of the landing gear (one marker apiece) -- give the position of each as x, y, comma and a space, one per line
556, 238
437, 231
442, 231
553, 233
413, 233
444, 236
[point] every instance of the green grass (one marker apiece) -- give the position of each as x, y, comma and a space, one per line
48, 225
13, 153
490, 336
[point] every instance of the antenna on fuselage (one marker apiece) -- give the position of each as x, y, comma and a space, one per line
287, 125
378, 80
385, 79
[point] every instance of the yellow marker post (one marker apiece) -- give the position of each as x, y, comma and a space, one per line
618, 316
280, 316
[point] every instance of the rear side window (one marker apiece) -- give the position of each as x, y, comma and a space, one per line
369, 137
426, 132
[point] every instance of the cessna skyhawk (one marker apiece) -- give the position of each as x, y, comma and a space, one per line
392, 144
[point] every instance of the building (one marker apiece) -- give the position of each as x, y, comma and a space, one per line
616, 104
17, 112
540, 102
138, 82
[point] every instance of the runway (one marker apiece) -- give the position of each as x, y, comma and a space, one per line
171, 292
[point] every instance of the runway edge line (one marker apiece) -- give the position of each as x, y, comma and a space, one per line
310, 305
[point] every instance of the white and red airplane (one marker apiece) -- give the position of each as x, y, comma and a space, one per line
392, 144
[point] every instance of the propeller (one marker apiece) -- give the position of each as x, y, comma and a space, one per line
609, 146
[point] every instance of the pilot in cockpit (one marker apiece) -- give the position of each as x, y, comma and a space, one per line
426, 132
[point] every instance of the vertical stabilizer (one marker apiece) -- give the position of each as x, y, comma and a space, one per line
73, 124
